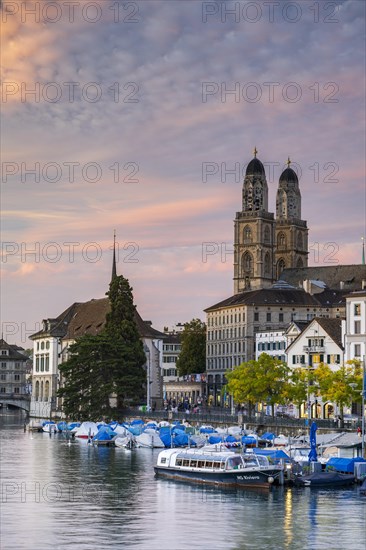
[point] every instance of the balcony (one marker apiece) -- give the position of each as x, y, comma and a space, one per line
314, 349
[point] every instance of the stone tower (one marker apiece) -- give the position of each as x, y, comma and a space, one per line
254, 239
291, 231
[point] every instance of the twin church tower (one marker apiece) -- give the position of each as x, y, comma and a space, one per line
264, 245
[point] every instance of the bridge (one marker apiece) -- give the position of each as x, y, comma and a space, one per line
22, 401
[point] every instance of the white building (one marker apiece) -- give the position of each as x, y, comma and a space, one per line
355, 333
272, 343
319, 342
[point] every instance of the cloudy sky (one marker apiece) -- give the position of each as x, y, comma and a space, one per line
140, 117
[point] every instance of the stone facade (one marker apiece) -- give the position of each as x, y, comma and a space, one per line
265, 246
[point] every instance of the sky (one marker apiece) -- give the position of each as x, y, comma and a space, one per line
141, 117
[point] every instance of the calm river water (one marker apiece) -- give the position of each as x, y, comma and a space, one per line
57, 496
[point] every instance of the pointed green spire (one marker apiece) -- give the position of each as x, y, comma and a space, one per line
114, 268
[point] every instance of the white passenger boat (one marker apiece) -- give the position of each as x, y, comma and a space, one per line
219, 467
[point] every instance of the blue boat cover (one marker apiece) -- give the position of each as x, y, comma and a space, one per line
272, 453
137, 421
207, 431
105, 433
247, 440
268, 435
213, 439
343, 464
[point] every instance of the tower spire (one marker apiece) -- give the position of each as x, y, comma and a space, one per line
255, 152
288, 162
363, 250
114, 268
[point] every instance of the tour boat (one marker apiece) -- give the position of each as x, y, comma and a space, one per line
218, 467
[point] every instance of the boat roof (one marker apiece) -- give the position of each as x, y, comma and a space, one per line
206, 456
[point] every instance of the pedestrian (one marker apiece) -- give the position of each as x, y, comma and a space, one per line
359, 431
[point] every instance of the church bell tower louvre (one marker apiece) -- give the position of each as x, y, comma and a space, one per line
263, 245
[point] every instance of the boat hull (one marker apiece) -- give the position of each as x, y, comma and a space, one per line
325, 479
262, 478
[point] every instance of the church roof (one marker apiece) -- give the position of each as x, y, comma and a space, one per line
287, 297
289, 175
255, 167
351, 275
89, 318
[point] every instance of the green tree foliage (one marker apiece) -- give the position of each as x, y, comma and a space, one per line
192, 358
108, 364
261, 381
342, 386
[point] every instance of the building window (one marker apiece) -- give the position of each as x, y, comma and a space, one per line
247, 234
357, 327
357, 351
3, 365
37, 364
281, 240
256, 316
42, 345
2, 376
17, 377
268, 317
267, 235
4, 352
17, 365
280, 317
16, 390
2, 390
357, 309
47, 345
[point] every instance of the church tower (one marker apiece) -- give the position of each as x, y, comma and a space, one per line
254, 238
291, 231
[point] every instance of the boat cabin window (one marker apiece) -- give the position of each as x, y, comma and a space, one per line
216, 464
201, 464
185, 462
163, 460
208, 464
193, 463
178, 462
234, 463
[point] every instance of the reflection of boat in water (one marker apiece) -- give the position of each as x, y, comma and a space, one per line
221, 468
325, 479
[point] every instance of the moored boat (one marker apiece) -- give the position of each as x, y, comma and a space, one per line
219, 467
325, 479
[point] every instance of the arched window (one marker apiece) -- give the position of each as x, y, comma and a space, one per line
247, 264
280, 267
281, 240
247, 234
41, 392
37, 390
267, 235
46, 390
267, 264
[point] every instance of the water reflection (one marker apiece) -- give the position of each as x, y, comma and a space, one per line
78, 496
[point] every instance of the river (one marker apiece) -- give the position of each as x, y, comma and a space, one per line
57, 495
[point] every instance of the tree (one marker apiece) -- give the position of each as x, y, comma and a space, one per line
261, 381
107, 364
340, 386
192, 358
